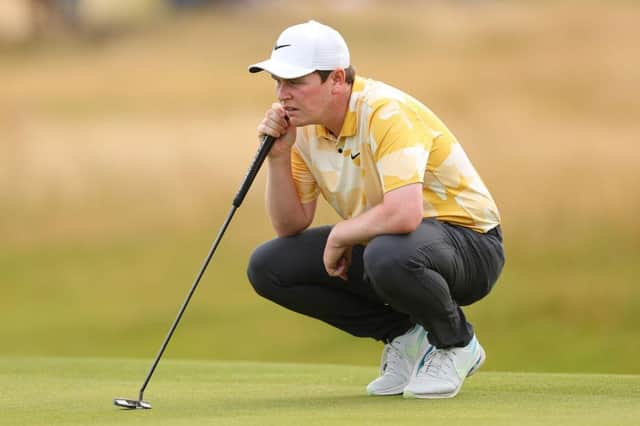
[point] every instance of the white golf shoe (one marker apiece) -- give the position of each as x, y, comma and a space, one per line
440, 373
398, 359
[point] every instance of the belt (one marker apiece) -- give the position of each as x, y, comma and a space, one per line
496, 232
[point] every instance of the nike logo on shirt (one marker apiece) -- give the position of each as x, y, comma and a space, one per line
281, 46
354, 156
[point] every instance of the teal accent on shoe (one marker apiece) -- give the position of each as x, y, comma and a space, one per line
481, 358
431, 349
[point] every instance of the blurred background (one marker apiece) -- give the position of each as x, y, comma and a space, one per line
126, 127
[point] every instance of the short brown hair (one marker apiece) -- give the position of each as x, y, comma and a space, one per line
349, 74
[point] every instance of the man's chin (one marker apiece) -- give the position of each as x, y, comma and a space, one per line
297, 121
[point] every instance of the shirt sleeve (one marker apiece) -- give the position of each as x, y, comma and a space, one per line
402, 142
303, 179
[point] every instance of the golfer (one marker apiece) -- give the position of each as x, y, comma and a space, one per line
420, 233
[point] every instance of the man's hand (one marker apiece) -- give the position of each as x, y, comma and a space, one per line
276, 123
337, 256
399, 213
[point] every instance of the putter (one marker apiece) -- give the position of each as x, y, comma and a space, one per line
261, 155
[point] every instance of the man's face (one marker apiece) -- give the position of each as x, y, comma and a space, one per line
304, 98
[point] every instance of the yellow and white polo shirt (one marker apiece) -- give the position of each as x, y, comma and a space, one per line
388, 140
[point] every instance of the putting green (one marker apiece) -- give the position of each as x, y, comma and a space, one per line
79, 391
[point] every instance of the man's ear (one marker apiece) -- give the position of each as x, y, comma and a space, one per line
338, 79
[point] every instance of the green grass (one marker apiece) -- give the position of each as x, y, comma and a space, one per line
117, 299
79, 391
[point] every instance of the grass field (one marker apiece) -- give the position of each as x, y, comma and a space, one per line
75, 391
119, 298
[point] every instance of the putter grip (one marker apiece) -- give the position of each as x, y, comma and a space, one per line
261, 155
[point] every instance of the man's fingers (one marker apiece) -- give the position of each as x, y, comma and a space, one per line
275, 122
347, 257
343, 269
272, 127
278, 115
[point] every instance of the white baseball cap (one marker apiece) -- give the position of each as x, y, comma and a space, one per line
304, 48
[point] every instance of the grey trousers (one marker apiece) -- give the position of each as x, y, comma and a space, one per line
395, 281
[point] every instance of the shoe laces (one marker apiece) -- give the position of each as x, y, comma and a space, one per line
394, 356
439, 363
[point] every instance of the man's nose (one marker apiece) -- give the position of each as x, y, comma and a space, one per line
282, 92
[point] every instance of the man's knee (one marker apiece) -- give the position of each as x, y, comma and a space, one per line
386, 261
258, 270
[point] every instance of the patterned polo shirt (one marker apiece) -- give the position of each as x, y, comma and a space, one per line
389, 140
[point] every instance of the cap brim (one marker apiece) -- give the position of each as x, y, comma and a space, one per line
280, 69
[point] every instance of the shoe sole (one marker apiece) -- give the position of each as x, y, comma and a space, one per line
476, 366
390, 393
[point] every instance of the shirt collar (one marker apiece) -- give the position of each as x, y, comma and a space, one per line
351, 119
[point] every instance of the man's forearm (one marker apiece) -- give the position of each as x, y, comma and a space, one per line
283, 205
400, 213
368, 225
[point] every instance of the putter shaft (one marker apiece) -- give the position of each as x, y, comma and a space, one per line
261, 155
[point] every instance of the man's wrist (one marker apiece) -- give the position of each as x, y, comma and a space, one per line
337, 238
283, 159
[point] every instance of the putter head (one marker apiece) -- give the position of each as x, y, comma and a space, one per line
131, 403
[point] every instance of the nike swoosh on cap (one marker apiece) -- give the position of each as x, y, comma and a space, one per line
353, 157
281, 46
